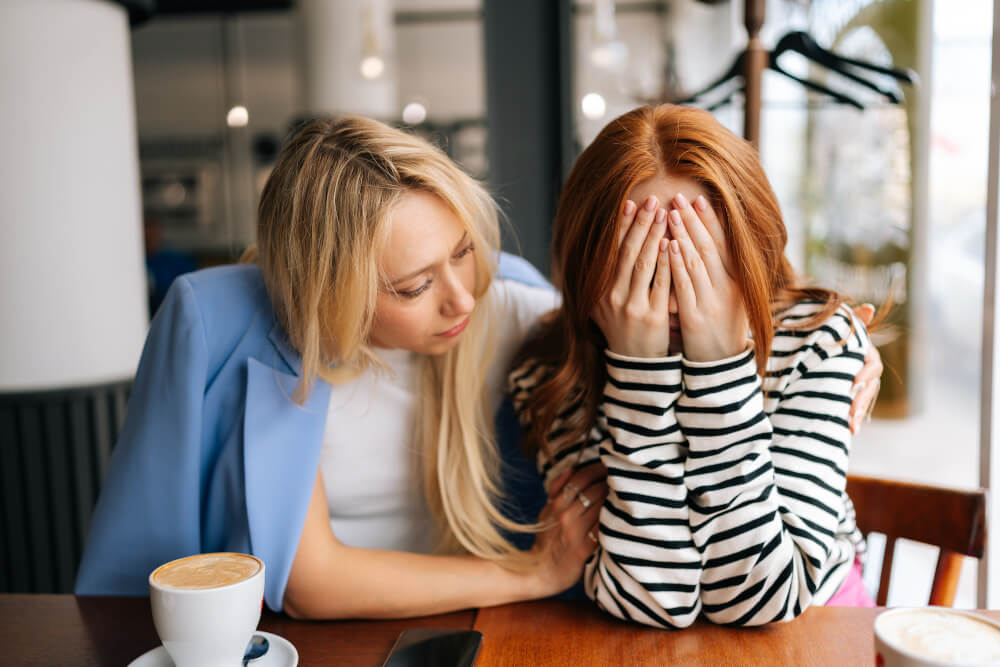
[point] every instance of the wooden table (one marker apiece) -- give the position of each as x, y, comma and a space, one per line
83, 631
68, 630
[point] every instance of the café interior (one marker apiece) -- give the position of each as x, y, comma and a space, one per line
139, 135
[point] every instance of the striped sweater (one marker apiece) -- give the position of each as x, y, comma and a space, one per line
726, 495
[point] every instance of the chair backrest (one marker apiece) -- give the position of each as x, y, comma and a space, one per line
952, 519
54, 450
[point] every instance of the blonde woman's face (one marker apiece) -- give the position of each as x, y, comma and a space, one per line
430, 267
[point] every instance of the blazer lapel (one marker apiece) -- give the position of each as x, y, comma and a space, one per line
288, 354
281, 446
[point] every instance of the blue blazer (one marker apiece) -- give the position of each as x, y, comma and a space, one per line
214, 455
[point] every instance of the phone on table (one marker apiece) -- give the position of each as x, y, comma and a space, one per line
428, 647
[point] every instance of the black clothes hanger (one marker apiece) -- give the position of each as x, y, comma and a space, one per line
802, 43
736, 71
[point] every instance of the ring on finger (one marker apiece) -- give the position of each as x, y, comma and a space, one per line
593, 538
585, 501
571, 490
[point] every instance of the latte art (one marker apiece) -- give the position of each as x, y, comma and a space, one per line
942, 635
206, 571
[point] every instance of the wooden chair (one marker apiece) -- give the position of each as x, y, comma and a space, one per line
953, 520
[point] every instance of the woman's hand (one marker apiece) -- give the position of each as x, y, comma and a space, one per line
869, 379
574, 505
632, 314
713, 321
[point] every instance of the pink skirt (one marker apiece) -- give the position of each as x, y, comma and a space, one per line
852, 592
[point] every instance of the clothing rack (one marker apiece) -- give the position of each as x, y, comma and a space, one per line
755, 63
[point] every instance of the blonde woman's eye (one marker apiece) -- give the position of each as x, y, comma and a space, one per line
465, 251
414, 293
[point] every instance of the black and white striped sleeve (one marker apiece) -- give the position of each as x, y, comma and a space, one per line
646, 568
766, 493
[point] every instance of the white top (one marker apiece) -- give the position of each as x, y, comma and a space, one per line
726, 493
371, 471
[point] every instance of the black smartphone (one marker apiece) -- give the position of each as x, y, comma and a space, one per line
427, 647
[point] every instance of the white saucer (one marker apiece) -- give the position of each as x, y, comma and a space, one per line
280, 653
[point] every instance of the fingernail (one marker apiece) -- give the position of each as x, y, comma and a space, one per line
629, 207
701, 203
675, 217
663, 245
661, 215
680, 200
675, 247
650, 203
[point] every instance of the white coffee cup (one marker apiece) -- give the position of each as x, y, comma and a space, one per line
935, 637
207, 606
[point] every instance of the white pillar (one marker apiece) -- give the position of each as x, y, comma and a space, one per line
334, 38
72, 280
988, 594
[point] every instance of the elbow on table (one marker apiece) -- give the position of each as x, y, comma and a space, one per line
740, 618
295, 610
306, 608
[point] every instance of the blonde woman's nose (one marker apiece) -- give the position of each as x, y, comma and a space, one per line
458, 299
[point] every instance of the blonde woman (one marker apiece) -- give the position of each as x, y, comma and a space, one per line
329, 406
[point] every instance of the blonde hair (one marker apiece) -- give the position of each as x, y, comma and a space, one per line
322, 221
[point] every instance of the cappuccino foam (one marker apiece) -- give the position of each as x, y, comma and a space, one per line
941, 635
206, 571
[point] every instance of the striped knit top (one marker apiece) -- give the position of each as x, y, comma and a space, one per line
726, 494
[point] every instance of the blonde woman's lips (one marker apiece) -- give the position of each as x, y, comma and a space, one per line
455, 330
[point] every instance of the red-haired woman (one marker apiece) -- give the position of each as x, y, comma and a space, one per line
716, 388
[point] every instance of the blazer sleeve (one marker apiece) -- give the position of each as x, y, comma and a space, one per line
148, 510
512, 267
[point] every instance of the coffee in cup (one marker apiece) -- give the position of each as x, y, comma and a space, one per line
206, 571
207, 606
934, 637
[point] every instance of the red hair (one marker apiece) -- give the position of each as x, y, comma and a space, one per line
687, 143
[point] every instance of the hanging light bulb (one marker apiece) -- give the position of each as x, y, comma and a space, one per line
372, 63
593, 105
608, 52
414, 113
238, 116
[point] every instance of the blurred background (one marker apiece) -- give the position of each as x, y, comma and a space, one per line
139, 135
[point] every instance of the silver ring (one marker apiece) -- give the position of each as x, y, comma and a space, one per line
570, 490
585, 501
592, 537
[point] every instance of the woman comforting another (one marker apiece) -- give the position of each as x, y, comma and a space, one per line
328, 407
713, 385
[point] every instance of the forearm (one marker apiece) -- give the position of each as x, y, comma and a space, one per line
647, 567
765, 490
329, 579
371, 583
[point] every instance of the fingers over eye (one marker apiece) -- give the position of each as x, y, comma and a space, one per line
683, 287
633, 242
659, 296
625, 218
712, 223
692, 223
696, 269
645, 263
